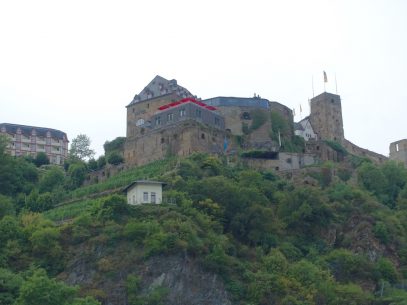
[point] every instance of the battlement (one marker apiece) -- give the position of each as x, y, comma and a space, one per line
398, 151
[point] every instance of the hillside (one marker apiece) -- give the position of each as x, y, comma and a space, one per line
333, 234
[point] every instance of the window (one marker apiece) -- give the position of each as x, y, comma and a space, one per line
246, 116
202, 136
134, 199
170, 117
198, 113
153, 198
216, 121
182, 112
397, 147
139, 122
158, 120
145, 196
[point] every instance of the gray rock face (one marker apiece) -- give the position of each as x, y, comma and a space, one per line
185, 280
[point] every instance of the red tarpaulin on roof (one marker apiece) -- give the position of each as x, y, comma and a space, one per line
186, 100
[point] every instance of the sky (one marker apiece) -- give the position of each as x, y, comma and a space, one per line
75, 65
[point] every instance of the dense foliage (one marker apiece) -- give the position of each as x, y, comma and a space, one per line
343, 241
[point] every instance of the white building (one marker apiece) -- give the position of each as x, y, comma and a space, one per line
144, 191
304, 129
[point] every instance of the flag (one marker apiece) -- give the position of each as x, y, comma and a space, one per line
279, 138
325, 78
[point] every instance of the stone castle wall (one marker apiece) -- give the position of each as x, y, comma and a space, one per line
180, 139
144, 110
398, 151
284, 162
326, 117
362, 152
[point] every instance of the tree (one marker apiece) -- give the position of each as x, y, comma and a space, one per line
9, 286
101, 162
77, 174
115, 158
80, 148
114, 145
92, 164
6, 206
41, 159
51, 178
39, 289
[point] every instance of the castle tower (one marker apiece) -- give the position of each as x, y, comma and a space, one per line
326, 117
398, 151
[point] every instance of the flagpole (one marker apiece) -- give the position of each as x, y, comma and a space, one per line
336, 85
313, 94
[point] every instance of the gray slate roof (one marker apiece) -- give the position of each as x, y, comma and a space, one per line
27, 130
143, 182
298, 126
238, 101
160, 86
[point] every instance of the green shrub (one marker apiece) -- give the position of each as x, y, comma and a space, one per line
115, 158
259, 117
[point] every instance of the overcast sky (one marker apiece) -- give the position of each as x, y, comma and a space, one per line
75, 65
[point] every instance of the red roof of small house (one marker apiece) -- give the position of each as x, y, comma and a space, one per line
186, 100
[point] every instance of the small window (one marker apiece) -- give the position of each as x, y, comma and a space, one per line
182, 112
217, 121
397, 147
198, 113
158, 120
170, 117
140, 122
134, 199
153, 198
202, 136
145, 196
246, 116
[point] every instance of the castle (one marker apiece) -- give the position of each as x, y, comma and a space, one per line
166, 119
398, 151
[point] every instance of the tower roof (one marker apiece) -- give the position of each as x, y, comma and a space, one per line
160, 86
325, 95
